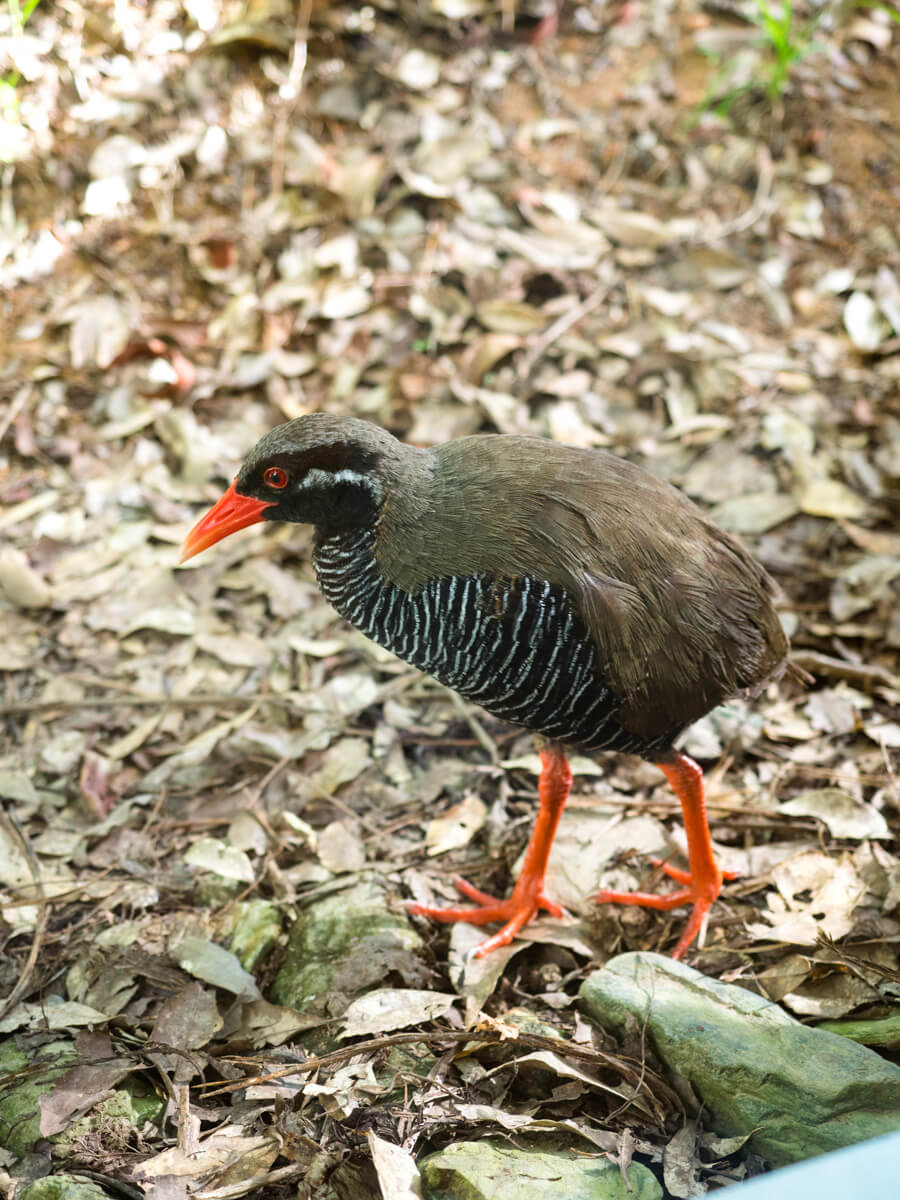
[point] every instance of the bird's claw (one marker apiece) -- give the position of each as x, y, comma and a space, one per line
700, 893
680, 876
527, 900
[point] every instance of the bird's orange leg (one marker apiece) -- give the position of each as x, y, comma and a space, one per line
528, 896
704, 879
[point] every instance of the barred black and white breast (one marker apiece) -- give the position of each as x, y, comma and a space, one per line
513, 645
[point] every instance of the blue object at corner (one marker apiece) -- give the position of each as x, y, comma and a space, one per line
867, 1171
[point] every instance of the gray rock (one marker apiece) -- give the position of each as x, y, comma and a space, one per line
495, 1170
799, 1091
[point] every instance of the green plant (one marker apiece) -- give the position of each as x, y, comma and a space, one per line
782, 41
892, 12
786, 43
19, 15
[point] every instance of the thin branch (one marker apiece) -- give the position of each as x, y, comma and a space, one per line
762, 203
14, 830
542, 342
201, 700
290, 95
628, 1068
838, 668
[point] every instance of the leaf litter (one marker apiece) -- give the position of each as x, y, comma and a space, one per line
447, 233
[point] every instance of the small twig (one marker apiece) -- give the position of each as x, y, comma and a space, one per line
15, 832
789, 768
761, 203
197, 701
668, 804
156, 810
838, 668
482, 736
542, 342
18, 403
613, 172
257, 1183
255, 794
889, 768
853, 963
290, 95
397, 683
27, 508
596, 1058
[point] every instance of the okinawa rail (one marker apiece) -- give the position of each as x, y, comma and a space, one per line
565, 590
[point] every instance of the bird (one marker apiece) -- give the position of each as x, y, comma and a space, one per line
563, 589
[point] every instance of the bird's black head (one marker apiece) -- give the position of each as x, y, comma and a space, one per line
326, 471
302, 473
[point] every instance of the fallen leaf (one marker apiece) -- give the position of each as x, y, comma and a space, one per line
843, 816
398, 1175
215, 965
864, 322
830, 498
211, 854
393, 1008
815, 894
456, 827
340, 848
20, 584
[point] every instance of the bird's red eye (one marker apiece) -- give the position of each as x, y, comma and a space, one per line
274, 477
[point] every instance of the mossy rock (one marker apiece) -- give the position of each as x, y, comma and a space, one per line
24, 1079
255, 932
796, 1091
62, 1187
346, 944
495, 1170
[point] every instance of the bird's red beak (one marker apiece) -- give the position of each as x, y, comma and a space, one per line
229, 514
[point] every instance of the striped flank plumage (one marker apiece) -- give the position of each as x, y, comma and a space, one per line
514, 646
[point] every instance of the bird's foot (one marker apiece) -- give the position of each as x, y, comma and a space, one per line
528, 896
701, 893
527, 900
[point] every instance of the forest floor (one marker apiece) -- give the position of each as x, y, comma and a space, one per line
217, 217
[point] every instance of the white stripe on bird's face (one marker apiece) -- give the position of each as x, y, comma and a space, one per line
317, 477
